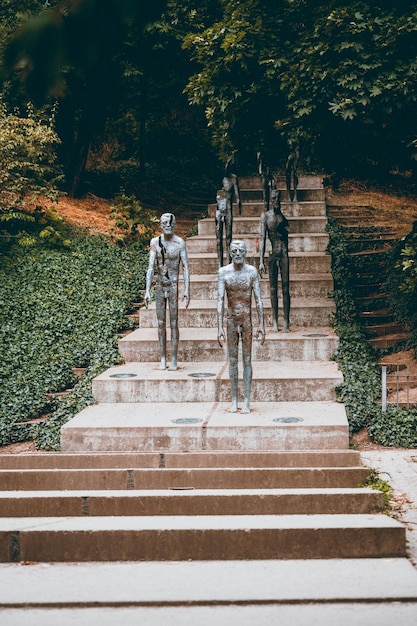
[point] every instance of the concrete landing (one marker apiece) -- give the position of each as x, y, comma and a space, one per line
189, 426
288, 381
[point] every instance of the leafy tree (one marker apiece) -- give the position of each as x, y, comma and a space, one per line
28, 169
330, 74
72, 52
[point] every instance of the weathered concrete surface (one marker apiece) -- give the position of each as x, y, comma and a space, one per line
288, 381
190, 502
200, 344
226, 537
150, 427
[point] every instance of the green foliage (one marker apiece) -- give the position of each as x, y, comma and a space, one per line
375, 481
395, 427
137, 222
28, 171
60, 308
360, 388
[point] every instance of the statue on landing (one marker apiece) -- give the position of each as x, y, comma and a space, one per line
239, 280
166, 253
224, 212
274, 225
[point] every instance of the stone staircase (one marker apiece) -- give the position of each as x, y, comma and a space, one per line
164, 506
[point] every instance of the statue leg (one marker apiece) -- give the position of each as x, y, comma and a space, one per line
247, 367
273, 288
233, 348
219, 239
295, 187
175, 333
229, 228
285, 279
160, 303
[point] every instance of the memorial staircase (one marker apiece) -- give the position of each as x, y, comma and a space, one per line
163, 506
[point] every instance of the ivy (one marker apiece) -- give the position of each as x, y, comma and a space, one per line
59, 309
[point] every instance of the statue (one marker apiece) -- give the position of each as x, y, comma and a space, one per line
224, 211
268, 182
274, 224
291, 173
239, 281
166, 252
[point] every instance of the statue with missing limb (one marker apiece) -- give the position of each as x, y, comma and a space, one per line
239, 280
291, 173
224, 212
166, 253
274, 225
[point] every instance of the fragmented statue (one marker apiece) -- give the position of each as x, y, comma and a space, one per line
239, 281
291, 173
268, 182
224, 212
167, 251
274, 225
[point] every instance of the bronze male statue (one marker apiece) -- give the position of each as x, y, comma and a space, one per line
291, 173
167, 251
224, 212
274, 224
239, 280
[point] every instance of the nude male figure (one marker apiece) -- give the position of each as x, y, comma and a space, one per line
166, 253
224, 212
239, 281
274, 225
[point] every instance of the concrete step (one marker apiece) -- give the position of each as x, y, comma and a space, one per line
197, 426
317, 343
202, 314
179, 538
182, 478
307, 181
342, 501
244, 226
204, 286
289, 209
282, 381
346, 592
300, 262
303, 195
295, 458
310, 242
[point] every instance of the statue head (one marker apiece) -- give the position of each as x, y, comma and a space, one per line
167, 223
276, 200
238, 251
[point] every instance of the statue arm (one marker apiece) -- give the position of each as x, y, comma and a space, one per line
260, 334
262, 243
149, 274
220, 307
237, 193
186, 273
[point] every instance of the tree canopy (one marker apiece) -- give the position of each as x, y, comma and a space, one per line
338, 77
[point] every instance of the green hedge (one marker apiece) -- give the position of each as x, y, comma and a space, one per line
60, 309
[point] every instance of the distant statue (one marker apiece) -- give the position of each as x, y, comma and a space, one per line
224, 212
274, 225
268, 182
239, 280
166, 253
291, 173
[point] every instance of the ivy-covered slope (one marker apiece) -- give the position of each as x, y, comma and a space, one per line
60, 308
